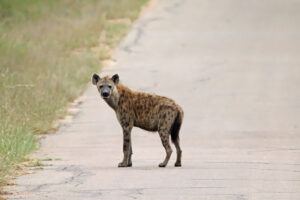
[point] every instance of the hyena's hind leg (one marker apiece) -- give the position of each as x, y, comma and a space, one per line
164, 136
179, 153
175, 129
167, 116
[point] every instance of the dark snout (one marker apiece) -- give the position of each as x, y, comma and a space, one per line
105, 93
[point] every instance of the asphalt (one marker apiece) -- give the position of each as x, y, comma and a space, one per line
234, 67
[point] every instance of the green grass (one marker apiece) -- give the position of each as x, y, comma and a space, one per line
46, 59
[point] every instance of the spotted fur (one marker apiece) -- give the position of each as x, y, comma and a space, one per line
147, 111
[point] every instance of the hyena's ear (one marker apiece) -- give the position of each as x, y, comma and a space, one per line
95, 79
115, 78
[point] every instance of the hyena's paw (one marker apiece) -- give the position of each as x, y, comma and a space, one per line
162, 165
178, 164
123, 164
129, 164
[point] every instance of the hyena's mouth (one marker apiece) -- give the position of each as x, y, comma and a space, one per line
105, 95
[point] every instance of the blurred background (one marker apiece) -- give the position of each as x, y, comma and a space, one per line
48, 49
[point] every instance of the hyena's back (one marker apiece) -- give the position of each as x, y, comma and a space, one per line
150, 112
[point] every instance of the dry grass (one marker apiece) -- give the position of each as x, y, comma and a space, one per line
39, 71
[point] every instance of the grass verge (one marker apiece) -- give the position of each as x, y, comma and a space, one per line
46, 59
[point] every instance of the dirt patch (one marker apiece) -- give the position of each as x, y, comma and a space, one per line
3, 193
72, 111
148, 6
120, 21
110, 52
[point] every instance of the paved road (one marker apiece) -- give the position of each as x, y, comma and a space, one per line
234, 66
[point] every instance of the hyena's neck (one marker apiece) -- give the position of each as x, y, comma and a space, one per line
121, 92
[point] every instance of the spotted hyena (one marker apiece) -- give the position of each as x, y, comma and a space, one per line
147, 111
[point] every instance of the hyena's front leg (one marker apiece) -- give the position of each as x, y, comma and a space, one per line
130, 154
126, 147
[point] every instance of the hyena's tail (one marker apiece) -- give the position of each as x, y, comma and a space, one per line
176, 126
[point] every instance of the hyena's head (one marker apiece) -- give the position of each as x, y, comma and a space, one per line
106, 85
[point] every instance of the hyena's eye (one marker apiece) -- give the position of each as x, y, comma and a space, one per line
101, 86
109, 86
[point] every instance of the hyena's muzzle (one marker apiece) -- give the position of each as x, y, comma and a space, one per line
105, 91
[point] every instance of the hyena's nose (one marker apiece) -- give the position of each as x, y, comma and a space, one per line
105, 94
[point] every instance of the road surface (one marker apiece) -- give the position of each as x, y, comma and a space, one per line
234, 67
